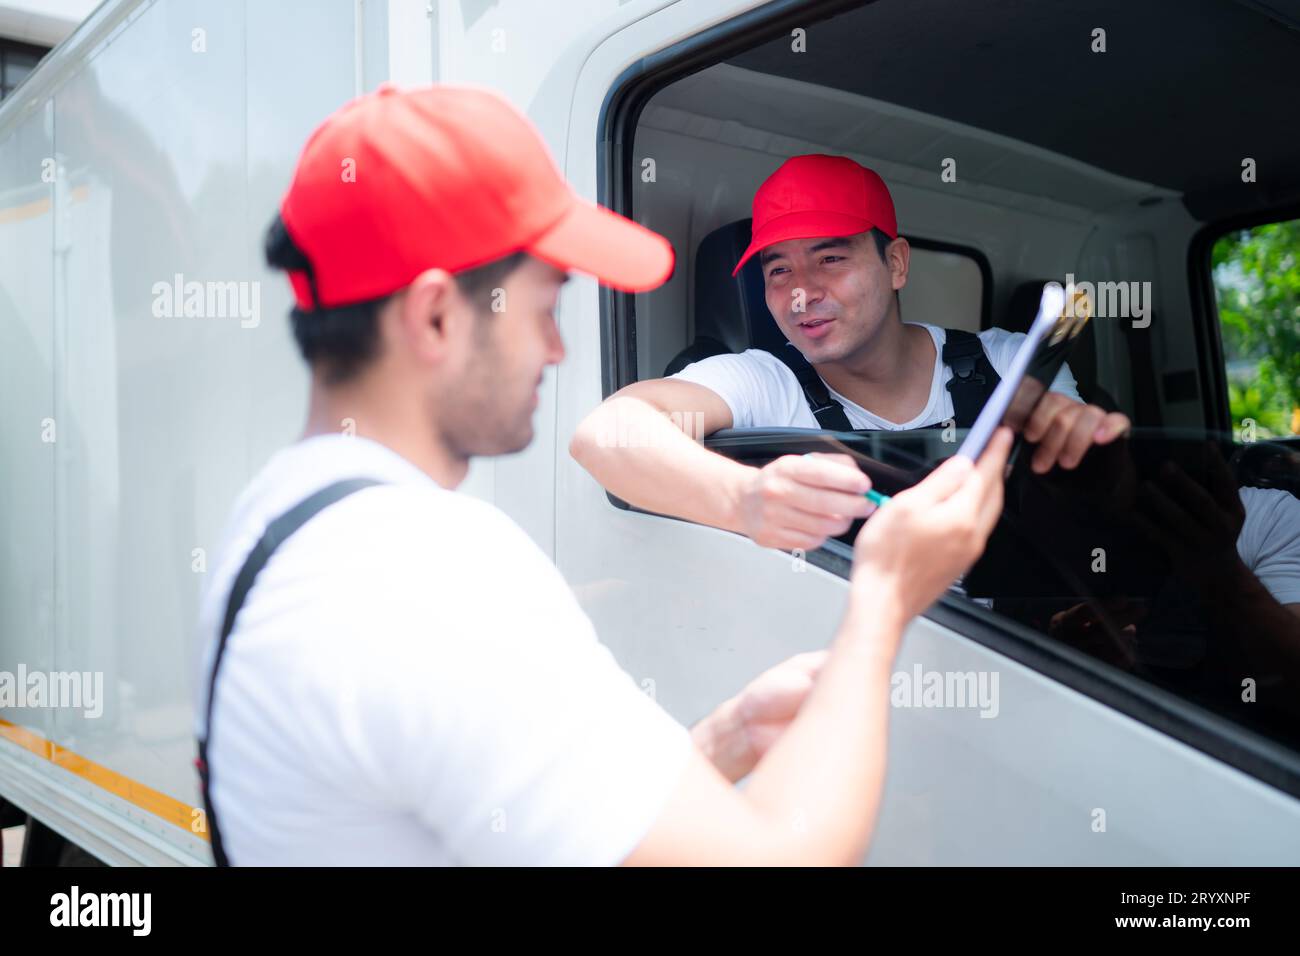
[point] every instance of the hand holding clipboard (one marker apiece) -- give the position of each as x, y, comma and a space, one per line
1034, 367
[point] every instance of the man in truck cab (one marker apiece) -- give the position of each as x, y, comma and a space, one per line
826, 236
393, 672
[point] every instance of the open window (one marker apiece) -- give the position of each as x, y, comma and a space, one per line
1024, 145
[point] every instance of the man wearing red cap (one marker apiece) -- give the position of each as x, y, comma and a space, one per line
393, 672
825, 233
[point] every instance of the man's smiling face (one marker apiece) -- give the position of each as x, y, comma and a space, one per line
830, 295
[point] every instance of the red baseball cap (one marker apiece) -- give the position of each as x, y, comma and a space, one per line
818, 195
400, 181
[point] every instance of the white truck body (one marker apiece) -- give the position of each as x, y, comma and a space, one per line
172, 127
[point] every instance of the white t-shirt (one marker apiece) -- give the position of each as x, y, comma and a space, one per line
411, 682
762, 392
1269, 541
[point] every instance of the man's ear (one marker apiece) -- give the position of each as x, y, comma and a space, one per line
430, 314
898, 257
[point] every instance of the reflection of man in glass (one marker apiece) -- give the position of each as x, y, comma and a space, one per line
1227, 619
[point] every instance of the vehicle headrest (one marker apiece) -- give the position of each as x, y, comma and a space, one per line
732, 311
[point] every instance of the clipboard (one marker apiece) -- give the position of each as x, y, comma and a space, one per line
1047, 345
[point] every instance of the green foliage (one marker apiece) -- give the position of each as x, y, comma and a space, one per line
1256, 403
1257, 282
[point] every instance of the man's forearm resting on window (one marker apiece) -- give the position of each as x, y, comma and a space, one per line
637, 452
634, 447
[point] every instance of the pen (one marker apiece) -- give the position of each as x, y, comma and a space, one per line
875, 497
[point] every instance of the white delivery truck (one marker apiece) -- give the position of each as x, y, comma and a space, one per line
1022, 141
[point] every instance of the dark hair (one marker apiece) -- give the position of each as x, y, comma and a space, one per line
882, 240
343, 340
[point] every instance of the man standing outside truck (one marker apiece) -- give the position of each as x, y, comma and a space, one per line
394, 672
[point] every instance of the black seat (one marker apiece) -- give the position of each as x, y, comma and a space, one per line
731, 314
1021, 311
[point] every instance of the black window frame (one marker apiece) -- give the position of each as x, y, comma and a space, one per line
1246, 750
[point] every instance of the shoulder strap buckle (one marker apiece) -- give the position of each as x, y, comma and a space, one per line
973, 376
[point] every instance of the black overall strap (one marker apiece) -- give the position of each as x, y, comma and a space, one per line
829, 413
973, 381
973, 376
276, 533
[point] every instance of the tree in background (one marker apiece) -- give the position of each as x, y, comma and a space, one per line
1257, 283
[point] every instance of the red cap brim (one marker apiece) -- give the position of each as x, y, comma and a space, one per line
620, 253
803, 225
